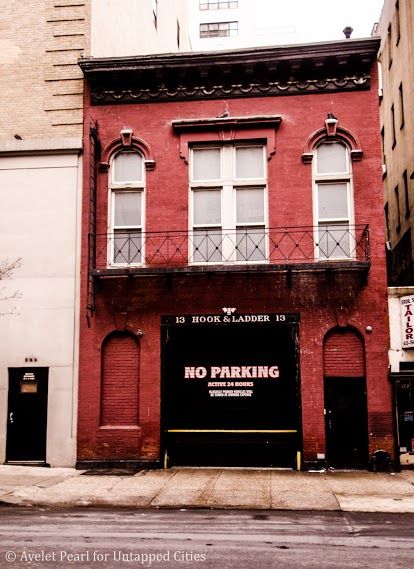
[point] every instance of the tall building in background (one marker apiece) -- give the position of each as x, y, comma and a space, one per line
131, 27
41, 122
396, 29
230, 24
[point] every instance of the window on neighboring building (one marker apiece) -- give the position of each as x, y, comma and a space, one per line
389, 40
394, 140
397, 22
218, 4
126, 208
219, 29
406, 196
400, 90
387, 220
333, 200
228, 204
397, 208
155, 12
384, 158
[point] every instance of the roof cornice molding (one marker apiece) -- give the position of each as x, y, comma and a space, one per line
281, 70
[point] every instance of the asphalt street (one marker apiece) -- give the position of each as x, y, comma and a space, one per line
205, 539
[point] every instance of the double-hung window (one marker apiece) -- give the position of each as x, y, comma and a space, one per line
333, 201
127, 184
228, 204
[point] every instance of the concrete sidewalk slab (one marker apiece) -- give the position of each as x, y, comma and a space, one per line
187, 488
219, 488
376, 503
238, 488
368, 483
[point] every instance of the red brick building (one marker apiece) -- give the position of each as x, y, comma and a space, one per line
234, 301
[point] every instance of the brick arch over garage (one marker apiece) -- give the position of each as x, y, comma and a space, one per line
343, 353
120, 380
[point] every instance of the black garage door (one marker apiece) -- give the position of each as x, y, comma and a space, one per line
231, 394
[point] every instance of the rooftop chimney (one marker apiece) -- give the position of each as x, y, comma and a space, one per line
348, 31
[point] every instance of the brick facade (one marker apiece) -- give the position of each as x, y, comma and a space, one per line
347, 302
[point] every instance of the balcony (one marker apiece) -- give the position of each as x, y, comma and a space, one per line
247, 249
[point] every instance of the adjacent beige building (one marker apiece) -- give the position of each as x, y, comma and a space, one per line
396, 28
41, 122
41, 129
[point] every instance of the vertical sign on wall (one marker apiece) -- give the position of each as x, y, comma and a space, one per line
407, 321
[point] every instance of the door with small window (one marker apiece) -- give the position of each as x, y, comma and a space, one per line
333, 202
27, 415
126, 209
228, 204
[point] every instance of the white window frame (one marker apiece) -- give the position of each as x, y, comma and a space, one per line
219, 29
349, 221
221, 5
132, 186
228, 185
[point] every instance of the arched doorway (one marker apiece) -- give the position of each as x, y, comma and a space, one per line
346, 424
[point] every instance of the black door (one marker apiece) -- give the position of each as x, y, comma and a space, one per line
27, 415
346, 422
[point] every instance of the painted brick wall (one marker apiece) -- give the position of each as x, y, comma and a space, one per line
343, 353
317, 297
120, 380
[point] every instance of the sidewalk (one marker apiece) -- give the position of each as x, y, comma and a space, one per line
210, 488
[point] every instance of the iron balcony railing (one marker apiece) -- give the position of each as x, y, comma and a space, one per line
248, 245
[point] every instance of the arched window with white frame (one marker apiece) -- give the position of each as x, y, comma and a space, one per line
333, 201
127, 207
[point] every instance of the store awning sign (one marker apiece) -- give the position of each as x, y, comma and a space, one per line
407, 321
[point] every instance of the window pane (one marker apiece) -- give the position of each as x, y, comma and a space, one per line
127, 167
206, 164
334, 241
207, 246
331, 157
249, 162
127, 209
250, 205
251, 244
207, 207
333, 201
127, 247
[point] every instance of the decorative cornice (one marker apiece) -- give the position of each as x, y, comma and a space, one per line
228, 129
332, 130
285, 70
220, 123
126, 140
100, 96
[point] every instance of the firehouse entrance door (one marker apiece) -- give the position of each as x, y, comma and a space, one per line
27, 415
231, 390
346, 422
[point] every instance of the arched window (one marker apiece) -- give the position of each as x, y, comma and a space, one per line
333, 201
127, 185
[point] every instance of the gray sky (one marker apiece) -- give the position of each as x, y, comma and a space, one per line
316, 20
